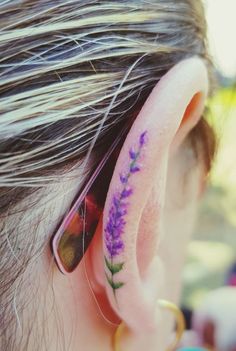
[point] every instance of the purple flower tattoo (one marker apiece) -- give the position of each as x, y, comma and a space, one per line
116, 219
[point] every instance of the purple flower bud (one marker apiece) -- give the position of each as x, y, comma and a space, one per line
123, 205
114, 253
109, 227
117, 247
143, 138
112, 211
108, 238
119, 223
121, 212
116, 201
123, 178
126, 192
117, 233
109, 248
132, 154
134, 168
111, 217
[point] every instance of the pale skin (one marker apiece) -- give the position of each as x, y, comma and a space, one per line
82, 311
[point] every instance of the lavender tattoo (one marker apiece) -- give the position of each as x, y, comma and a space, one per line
116, 222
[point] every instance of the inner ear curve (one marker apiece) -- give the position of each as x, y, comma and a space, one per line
191, 117
192, 107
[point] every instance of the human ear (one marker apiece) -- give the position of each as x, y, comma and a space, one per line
129, 268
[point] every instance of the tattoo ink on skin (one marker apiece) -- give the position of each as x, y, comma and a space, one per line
116, 220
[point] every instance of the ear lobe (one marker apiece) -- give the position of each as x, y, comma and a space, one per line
132, 221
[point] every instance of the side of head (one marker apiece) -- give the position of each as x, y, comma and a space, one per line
73, 74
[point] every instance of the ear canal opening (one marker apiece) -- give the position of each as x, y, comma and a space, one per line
192, 107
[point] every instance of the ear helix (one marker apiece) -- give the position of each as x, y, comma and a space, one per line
141, 165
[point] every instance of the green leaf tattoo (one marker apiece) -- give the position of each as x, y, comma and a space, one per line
114, 285
114, 267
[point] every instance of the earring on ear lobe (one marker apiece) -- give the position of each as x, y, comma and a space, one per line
180, 326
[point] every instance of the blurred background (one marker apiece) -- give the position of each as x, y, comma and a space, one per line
213, 249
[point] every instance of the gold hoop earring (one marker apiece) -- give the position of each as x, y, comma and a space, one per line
180, 321
180, 326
